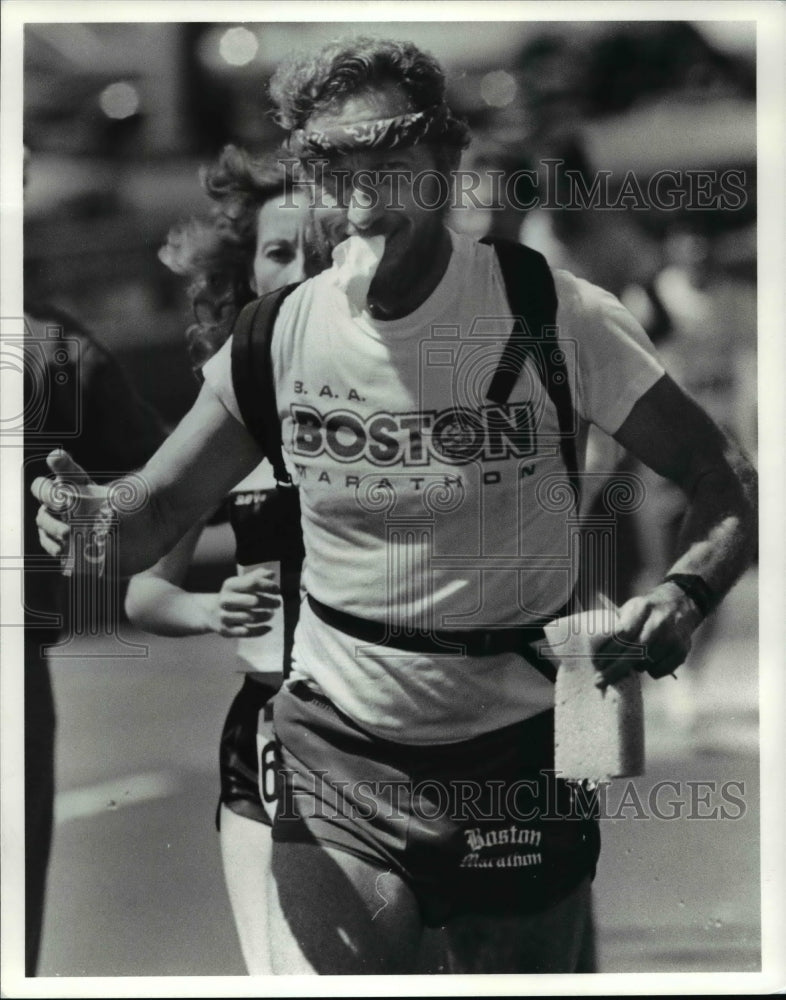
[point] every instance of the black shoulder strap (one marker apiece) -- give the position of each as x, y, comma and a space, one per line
252, 375
255, 390
532, 298
533, 301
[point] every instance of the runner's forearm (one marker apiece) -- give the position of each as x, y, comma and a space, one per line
718, 536
162, 608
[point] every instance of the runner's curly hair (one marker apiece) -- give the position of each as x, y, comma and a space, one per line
216, 255
307, 83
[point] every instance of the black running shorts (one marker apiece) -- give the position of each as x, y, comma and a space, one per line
482, 825
239, 753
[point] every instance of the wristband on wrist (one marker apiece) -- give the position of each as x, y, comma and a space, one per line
697, 590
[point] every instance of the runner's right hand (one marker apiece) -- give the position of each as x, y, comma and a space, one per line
69, 493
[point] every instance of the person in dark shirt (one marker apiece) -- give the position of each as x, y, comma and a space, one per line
76, 395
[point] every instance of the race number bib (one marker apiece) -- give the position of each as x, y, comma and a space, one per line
267, 758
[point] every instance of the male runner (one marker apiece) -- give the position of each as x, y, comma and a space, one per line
417, 723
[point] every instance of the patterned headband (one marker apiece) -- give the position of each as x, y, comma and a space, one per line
380, 133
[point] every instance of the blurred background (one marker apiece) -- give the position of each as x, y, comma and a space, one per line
118, 119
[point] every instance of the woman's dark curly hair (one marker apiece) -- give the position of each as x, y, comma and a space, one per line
307, 83
217, 255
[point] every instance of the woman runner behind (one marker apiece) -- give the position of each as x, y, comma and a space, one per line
257, 240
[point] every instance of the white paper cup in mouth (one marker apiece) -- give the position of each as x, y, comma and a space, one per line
355, 262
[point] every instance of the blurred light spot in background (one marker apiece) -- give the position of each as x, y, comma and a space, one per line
119, 100
498, 88
238, 46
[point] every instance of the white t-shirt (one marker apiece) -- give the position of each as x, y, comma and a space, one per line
414, 512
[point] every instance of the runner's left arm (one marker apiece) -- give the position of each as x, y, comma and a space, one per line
671, 434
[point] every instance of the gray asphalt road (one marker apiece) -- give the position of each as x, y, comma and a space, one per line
136, 885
